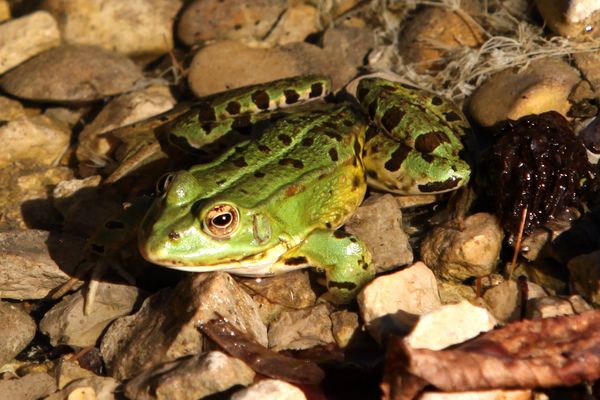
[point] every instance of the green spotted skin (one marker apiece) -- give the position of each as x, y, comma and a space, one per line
274, 201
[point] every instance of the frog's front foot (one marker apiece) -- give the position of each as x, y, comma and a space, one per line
344, 258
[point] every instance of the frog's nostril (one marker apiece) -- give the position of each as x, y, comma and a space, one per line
174, 235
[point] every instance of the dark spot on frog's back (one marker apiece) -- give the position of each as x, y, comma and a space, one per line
397, 158
356, 181
259, 174
448, 184
261, 99
293, 162
285, 139
334, 135
392, 117
291, 96
341, 234
264, 148
333, 154
316, 90
451, 116
206, 112
437, 101
240, 162
241, 122
295, 261
233, 107
428, 142
307, 142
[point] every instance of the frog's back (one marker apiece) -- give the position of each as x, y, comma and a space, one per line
306, 167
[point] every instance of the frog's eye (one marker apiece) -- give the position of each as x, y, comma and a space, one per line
163, 183
221, 221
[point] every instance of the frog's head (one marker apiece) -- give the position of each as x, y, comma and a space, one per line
185, 230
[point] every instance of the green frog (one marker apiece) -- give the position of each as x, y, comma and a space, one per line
276, 199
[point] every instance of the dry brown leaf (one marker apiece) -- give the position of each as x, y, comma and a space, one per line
258, 357
560, 351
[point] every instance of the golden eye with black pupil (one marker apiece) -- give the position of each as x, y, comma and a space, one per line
221, 221
164, 182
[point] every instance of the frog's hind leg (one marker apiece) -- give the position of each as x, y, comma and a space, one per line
345, 259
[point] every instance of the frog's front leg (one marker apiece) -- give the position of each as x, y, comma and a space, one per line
345, 259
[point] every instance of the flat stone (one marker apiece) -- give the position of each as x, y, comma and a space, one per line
138, 28
270, 389
17, 329
25, 37
72, 73
39, 138
30, 387
393, 303
190, 378
33, 262
245, 20
344, 326
10, 109
273, 295
459, 323
68, 371
378, 223
66, 323
166, 326
301, 329
543, 86
548, 307
472, 250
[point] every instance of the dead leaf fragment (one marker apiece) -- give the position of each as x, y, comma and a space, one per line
549, 352
258, 357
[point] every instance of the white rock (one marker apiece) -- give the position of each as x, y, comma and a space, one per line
547, 307
16, 330
458, 322
93, 388
392, 303
270, 389
132, 27
25, 37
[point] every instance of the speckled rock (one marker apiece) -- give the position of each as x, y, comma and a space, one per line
72, 73
68, 371
93, 388
392, 303
548, 307
543, 86
204, 20
459, 322
295, 25
33, 262
433, 31
29, 387
138, 28
165, 328
65, 323
571, 18
38, 138
24, 199
270, 389
10, 109
122, 110
345, 326
190, 378
16, 330
585, 276
301, 329
589, 65
471, 251
25, 37
378, 223
290, 291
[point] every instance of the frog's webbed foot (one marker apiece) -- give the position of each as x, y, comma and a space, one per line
345, 259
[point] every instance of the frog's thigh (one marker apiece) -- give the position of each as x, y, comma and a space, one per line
345, 259
398, 168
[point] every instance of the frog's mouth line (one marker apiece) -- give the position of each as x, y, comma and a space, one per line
263, 264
